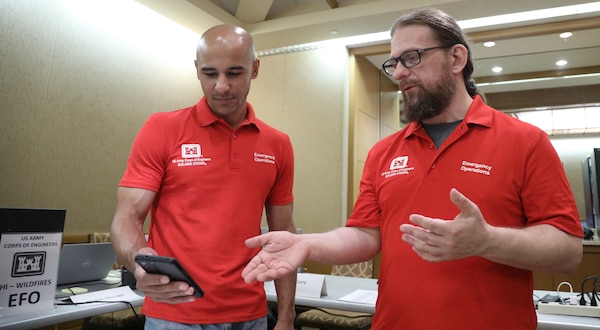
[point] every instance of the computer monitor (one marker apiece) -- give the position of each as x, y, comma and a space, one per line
590, 168
33, 220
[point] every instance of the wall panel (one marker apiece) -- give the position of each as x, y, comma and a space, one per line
78, 81
302, 94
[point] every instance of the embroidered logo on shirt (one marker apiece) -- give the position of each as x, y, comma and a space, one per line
398, 163
398, 166
191, 155
264, 158
467, 166
191, 150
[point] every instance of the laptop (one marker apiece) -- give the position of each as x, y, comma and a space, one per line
85, 262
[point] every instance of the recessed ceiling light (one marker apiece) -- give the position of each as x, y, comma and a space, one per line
497, 69
561, 62
565, 35
333, 32
489, 44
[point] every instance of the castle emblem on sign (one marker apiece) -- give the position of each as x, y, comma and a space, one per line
28, 263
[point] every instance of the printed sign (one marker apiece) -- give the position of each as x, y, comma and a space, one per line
311, 285
29, 284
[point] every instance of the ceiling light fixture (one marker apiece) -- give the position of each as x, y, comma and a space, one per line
522, 81
489, 44
565, 35
497, 69
561, 62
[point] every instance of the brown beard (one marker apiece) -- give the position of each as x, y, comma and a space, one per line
424, 104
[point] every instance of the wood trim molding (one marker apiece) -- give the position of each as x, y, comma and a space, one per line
332, 3
535, 30
539, 74
547, 97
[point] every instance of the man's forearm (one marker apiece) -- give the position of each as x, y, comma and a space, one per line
286, 292
343, 245
536, 248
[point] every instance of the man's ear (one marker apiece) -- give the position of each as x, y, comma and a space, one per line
460, 55
197, 71
255, 66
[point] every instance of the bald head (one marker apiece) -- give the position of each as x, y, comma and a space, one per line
225, 65
226, 38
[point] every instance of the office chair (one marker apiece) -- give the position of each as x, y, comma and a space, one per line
333, 319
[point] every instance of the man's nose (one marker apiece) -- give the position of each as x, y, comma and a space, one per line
222, 84
400, 72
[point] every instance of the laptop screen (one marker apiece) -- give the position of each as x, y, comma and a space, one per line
85, 262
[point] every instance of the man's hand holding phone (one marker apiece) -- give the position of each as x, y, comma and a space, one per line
163, 279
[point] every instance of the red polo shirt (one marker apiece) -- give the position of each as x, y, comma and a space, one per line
509, 169
212, 184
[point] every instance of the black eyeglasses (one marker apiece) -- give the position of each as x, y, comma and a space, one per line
408, 59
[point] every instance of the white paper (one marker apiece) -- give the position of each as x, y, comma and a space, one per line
122, 293
311, 285
361, 296
270, 287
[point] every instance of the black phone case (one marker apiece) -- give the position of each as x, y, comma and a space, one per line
168, 266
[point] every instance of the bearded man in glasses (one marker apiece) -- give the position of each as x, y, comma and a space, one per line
463, 204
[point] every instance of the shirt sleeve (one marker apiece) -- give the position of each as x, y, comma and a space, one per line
282, 191
547, 196
146, 162
367, 211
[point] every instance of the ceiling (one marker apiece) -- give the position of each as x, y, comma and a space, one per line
525, 50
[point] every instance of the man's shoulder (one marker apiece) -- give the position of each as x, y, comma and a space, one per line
500, 120
173, 118
265, 128
509, 121
173, 114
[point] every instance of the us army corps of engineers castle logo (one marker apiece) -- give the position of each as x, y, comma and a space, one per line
191, 155
398, 166
28, 263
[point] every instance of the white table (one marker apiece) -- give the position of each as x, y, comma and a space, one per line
561, 322
60, 314
339, 286
65, 313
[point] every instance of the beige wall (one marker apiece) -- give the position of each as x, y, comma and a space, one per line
365, 119
374, 114
77, 83
78, 79
303, 94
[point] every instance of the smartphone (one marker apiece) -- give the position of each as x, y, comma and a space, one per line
168, 266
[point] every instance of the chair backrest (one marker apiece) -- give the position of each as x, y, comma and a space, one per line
362, 269
102, 237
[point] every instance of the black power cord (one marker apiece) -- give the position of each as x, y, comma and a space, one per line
137, 316
593, 301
